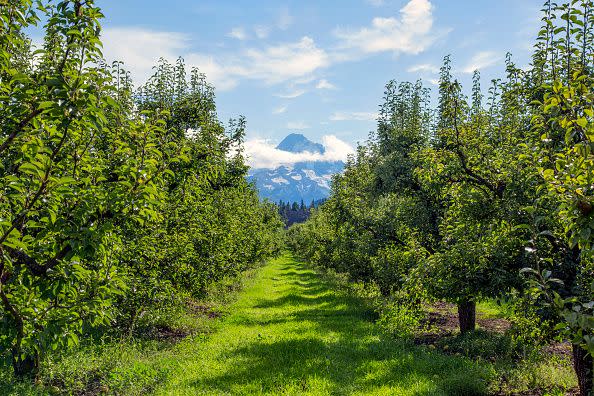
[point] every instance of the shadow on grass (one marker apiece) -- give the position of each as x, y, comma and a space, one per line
293, 299
342, 364
346, 352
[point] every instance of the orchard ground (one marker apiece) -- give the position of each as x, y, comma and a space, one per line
294, 331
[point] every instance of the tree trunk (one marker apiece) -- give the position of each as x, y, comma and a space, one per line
582, 363
24, 364
25, 367
133, 317
467, 316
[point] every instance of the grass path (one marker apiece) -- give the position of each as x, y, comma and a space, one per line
291, 333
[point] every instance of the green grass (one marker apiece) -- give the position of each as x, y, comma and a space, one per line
110, 362
490, 309
292, 333
289, 331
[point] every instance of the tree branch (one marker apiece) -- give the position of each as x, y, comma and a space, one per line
19, 127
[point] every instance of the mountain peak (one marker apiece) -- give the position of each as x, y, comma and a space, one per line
297, 143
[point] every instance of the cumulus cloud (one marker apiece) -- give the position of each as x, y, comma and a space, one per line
140, 48
325, 84
481, 60
353, 116
411, 33
289, 63
284, 62
336, 149
263, 154
224, 77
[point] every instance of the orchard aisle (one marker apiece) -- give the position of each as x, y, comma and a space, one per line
291, 333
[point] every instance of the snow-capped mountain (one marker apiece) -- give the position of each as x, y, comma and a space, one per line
305, 181
297, 143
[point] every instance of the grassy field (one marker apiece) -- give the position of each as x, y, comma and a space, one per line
290, 331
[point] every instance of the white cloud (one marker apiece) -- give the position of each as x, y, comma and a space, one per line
299, 125
412, 33
291, 63
140, 48
263, 154
325, 84
353, 116
280, 109
284, 62
238, 33
294, 64
423, 68
292, 95
273, 65
481, 60
336, 149
223, 77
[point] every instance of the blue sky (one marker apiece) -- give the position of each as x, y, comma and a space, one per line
317, 67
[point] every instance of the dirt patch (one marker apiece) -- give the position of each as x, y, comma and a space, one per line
443, 319
163, 332
166, 333
562, 349
494, 325
439, 323
440, 330
204, 310
91, 387
440, 319
94, 389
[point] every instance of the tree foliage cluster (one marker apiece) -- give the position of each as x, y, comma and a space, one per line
482, 196
113, 200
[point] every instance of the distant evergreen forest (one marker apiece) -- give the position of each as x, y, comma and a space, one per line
297, 212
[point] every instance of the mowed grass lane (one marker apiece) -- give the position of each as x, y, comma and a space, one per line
291, 333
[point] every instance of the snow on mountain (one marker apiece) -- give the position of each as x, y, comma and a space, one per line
305, 181
297, 143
